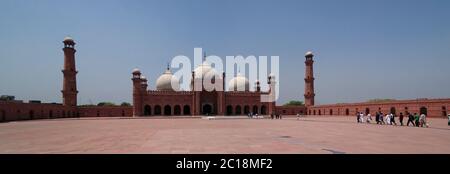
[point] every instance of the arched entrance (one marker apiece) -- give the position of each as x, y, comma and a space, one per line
246, 109
444, 111
147, 110
255, 109
263, 110
367, 111
31, 114
229, 110
207, 109
3, 118
186, 110
393, 110
177, 110
157, 110
347, 111
238, 110
50, 114
167, 110
331, 111
423, 110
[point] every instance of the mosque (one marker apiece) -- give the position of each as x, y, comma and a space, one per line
167, 100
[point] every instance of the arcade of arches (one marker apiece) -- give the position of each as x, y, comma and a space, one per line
429, 107
207, 109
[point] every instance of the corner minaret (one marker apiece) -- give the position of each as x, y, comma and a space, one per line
139, 86
309, 80
69, 91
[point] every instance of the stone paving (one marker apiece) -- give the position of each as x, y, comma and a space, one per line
324, 134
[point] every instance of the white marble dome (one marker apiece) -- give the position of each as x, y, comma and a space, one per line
238, 83
309, 53
164, 82
202, 70
68, 39
136, 71
206, 71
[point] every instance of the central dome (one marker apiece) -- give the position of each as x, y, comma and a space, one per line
238, 83
164, 82
203, 69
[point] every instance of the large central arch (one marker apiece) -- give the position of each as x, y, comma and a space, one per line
207, 109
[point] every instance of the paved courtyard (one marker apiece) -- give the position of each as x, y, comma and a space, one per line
325, 134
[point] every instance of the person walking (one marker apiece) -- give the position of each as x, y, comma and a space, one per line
416, 119
393, 119
423, 120
410, 119
382, 118
369, 118
357, 117
377, 117
401, 118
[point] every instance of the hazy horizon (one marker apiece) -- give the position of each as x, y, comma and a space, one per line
363, 49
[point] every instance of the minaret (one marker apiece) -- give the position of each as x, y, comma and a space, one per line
69, 91
138, 85
309, 80
272, 93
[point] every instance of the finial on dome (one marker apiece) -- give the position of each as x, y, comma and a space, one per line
204, 55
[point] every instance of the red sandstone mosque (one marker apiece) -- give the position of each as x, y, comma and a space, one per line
166, 101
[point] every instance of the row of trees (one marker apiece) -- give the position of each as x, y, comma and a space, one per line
294, 103
109, 104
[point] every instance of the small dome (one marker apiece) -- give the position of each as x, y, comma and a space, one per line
144, 78
164, 82
238, 83
272, 75
68, 39
202, 69
309, 53
136, 71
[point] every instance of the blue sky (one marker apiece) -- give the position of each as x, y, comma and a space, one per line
364, 48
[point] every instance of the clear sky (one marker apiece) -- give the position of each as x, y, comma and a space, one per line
364, 48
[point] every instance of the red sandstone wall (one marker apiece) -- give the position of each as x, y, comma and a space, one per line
291, 110
12, 111
106, 111
434, 107
250, 100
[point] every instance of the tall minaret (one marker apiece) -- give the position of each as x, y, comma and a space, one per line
69, 91
138, 83
309, 80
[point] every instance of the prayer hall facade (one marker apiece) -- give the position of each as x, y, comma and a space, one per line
167, 100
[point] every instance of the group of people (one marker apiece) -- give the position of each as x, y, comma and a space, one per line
253, 115
389, 119
275, 116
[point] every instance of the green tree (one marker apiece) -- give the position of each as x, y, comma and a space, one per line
125, 104
294, 103
106, 104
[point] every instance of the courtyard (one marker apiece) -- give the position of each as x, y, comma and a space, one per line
319, 134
